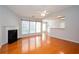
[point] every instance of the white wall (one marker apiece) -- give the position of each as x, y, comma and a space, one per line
7, 19
71, 31
0, 35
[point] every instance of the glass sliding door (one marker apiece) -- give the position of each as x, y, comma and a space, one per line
32, 27
29, 27
38, 27
44, 27
25, 27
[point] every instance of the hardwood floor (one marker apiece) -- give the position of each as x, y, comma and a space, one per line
40, 45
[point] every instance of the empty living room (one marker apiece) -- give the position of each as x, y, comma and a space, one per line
39, 29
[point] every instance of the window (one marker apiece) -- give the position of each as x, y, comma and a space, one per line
43, 26
32, 27
56, 24
29, 27
38, 27
25, 27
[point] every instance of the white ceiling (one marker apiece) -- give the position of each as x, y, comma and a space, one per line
35, 10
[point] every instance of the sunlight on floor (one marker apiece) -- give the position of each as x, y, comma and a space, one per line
34, 42
61, 52
25, 46
38, 41
43, 37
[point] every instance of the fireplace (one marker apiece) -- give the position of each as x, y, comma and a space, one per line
12, 36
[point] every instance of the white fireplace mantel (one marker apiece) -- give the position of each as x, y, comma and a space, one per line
4, 30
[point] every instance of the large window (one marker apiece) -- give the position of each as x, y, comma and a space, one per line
25, 27
44, 27
38, 27
32, 27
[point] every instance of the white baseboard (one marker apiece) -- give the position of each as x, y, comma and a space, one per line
3, 43
63, 38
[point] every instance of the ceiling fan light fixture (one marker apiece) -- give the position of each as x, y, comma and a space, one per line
62, 18
45, 11
43, 14
59, 16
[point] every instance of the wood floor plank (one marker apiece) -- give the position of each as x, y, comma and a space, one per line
42, 44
